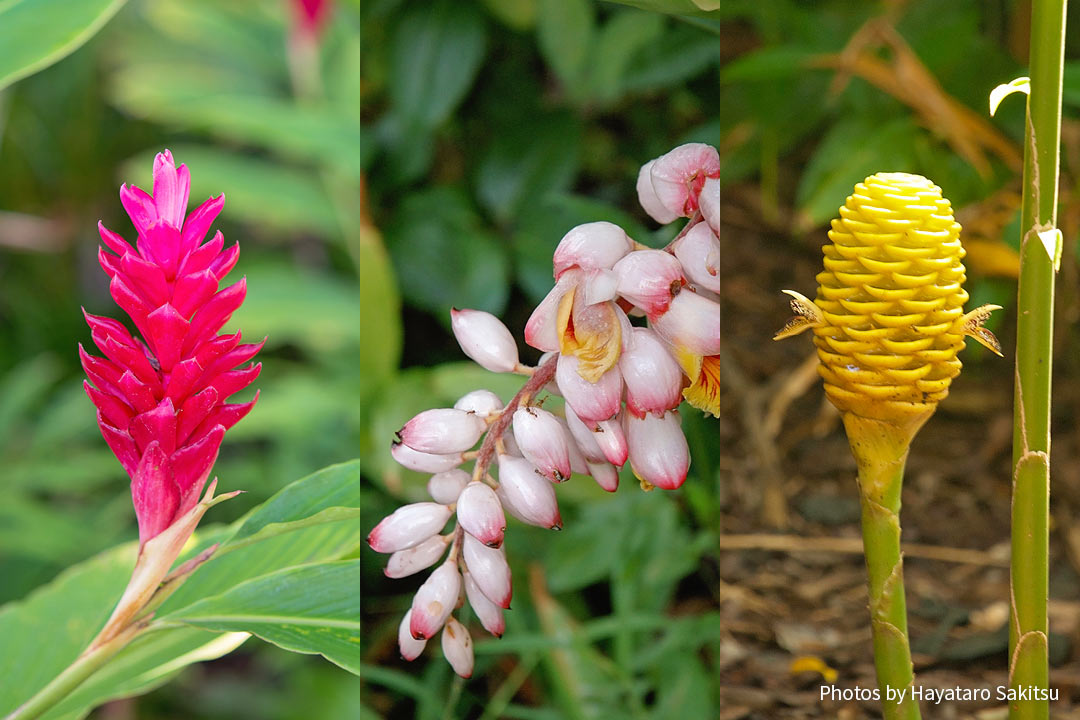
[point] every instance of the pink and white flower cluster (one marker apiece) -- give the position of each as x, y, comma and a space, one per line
621, 385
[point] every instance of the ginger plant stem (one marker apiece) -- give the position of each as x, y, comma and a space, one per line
1028, 648
880, 450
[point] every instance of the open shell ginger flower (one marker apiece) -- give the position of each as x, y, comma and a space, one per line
161, 397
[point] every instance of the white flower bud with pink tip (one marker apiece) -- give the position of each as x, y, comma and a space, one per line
442, 431
658, 450
583, 436
699, 253
489, 570
445, 487
457, 648
489, 614
692, 324
480, 514
510, 445
482, 403
679, 175
605, 475
600, 286
612, 441
602, 441
485, 339
648, 198
526, 494
410, 646
423, 462
407, 526
652, 376
578, 462
591, 246
611, 438
541, 330
542, 441
650, 279
434, 601
419, 557
709, 203
591, 401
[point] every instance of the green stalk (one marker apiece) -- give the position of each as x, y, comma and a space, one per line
880, 450
1029, 665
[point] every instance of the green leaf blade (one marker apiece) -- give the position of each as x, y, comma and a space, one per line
306, 609
37, 33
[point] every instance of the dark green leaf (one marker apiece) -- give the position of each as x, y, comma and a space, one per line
528, 162
565, 30
437, 49
443, 257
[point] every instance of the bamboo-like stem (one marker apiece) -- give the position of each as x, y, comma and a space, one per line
880, 449
1029, 666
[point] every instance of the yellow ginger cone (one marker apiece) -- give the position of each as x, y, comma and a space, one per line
888, 323
888, 319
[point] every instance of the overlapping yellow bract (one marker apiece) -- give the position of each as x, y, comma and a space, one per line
888, 319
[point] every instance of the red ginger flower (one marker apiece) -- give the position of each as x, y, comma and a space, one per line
161, 399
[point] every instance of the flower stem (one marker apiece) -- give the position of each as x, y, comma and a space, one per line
540, 377
880, 450
1029, 666
63, 684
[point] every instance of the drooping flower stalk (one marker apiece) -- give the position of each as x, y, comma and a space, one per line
1040, 252
888, 323
621, 384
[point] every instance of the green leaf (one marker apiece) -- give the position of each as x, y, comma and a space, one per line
36, 33
83, 596
24, 387
309, 609
618, 43
444, 258
177, 95
527, 162
310, 523
290, 304
684, 53
437, 50
565, 31
673, 7
682, 689
38, 646
331, 494
515, 14
303, 543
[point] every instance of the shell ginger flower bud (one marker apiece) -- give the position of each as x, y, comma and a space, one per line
888, 319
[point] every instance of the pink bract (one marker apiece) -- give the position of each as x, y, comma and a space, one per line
161, 396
